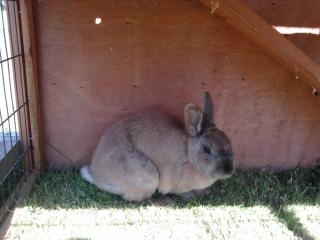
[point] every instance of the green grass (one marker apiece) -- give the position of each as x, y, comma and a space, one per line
249, 199
246, 188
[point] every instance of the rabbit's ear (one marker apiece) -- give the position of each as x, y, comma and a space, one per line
193, 118
208, 108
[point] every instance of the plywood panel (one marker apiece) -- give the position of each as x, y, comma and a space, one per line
160, 55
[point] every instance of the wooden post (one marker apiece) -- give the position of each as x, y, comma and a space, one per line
264, 35
33, 83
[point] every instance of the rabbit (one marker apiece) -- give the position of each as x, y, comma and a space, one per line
148, 152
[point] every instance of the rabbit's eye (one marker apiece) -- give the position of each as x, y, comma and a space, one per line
207, 149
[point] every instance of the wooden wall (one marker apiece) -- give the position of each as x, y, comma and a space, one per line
160, 55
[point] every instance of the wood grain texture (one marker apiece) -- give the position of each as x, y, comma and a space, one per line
264, 35
293, 13
161, 55
33, 83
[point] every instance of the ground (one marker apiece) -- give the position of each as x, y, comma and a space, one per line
250, 205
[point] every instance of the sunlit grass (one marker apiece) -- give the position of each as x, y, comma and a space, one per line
250, 205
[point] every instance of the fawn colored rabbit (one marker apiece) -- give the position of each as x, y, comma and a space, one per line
148, 152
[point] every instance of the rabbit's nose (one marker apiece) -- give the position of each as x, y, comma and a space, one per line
228, 167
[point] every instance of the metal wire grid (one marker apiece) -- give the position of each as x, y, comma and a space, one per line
16, 157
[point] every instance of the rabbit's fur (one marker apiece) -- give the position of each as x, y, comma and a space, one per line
148, 152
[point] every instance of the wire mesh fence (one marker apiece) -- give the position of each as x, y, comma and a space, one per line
16, 157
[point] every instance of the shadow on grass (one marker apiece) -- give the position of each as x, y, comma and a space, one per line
293, 223
246, 188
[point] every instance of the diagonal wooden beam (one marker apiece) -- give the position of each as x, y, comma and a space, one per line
264, 35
